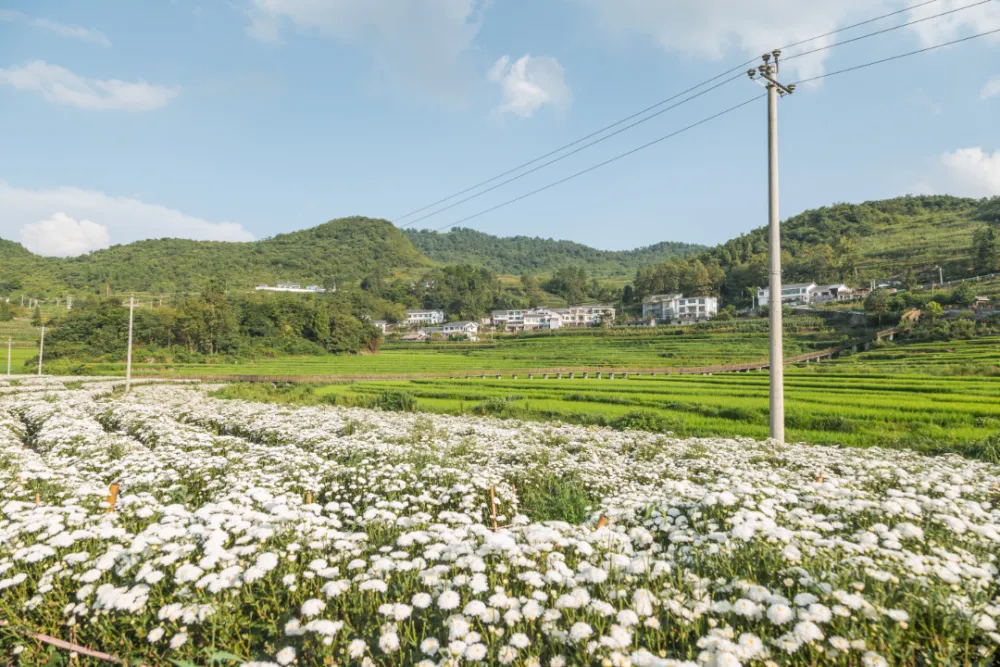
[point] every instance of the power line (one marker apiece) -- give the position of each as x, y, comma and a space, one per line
897, 57
606, 162
575, 151
650, 108
885, 30
705, 120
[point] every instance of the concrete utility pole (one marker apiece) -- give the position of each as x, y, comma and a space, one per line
41, 350
941, 274
128, 359
768, 72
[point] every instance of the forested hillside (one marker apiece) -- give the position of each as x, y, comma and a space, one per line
518, 255
905, 238
347, 249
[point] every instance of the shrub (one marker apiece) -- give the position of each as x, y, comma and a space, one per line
395, 401
641, 420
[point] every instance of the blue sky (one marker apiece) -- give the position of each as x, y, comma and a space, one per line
242, 119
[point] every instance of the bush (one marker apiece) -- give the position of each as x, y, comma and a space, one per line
641, 420
395, 401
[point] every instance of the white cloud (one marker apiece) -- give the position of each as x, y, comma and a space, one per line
59, 85
419, 45
63, 236
715, 29
991, 89
966, 172
529, 84
124, 219
61, 29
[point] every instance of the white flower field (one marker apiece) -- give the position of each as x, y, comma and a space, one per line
256, 534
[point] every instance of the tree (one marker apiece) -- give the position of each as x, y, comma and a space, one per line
36, 317
909, 279
877, 303
6, 311
933, 311
985, 249
963, 295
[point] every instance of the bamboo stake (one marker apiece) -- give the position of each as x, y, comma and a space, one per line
38, 499
602, 522
309, 497
493, 508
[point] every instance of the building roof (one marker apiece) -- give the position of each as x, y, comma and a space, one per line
461, 324
422, 312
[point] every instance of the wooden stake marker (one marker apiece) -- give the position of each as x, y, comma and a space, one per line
602, 522
493, 508
113, 497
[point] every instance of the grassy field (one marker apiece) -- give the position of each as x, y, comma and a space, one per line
933, 414
978, 356
666, 347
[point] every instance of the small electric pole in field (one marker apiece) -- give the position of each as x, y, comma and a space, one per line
41, 350
768, 78
128, 358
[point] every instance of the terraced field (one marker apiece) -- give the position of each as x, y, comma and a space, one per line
930, 414
976, 356
621, 348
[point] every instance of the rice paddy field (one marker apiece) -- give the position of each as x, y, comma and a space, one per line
166, 528
664, 347
931, 414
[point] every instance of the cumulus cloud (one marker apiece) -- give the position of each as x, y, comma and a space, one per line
717, 28
529, 84
63, 236
60, 85
32, 214
61, 29
966, 172
419, 45
991, 89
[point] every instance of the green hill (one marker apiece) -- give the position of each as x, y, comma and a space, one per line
344, 249
905, 238
517, 255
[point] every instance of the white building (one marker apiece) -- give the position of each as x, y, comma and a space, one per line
511, 320
542, 318
795, 294
833, 293
652, 306
678, 308
291, 287
381, 325
420, 317
470, 329
586, 316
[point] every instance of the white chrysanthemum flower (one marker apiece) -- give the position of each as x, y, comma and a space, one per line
519, 640
421, 600
872, 659
155, 635
506, 655
580, 631
429, 646
449, 600
285, 656
178, 640
356, 648
779, 614
475, 652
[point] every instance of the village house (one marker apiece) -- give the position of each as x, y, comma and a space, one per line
792, 294
424, 317
291, 287
381, 325
677, 308
543, 318
839, 292
470, 329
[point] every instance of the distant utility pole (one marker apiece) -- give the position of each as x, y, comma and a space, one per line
768, 73
941, 274
41, 350
128, 359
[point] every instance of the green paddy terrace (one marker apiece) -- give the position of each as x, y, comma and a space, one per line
932, 414
627, 348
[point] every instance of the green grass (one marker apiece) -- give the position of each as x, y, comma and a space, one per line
927, 413
665, 347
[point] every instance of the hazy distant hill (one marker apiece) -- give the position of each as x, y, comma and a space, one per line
526, 254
